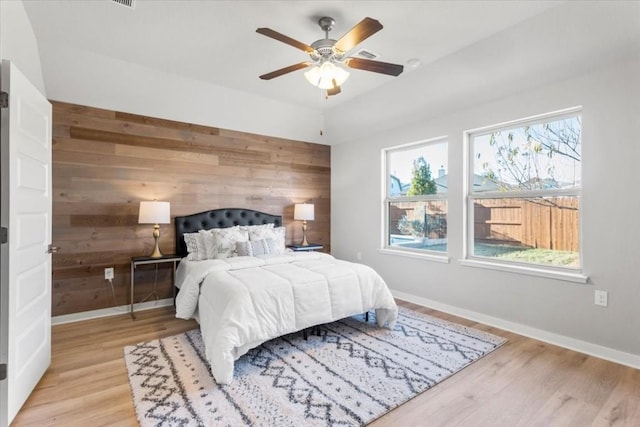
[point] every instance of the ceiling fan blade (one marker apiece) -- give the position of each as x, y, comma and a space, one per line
285, 70
374, 66
285, 39
362, 31
334, 90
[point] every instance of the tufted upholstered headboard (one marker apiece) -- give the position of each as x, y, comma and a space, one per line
219, 218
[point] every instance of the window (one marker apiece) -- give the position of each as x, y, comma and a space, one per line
524, 189
416, 197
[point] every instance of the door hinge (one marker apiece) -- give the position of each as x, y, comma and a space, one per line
4, 100
3, 371
4, 236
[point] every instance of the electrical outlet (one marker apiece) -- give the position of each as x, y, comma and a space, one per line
601, 298
108, 273
359, 256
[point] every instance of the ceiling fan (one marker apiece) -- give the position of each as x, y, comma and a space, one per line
327, 54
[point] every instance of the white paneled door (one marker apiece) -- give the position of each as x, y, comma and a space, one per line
26, 262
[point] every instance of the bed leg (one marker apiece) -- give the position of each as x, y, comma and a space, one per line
366, 317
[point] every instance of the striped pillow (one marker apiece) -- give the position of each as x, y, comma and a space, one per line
256, 247
276, 234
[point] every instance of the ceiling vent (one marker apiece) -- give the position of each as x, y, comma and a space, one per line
127, 3
367, 54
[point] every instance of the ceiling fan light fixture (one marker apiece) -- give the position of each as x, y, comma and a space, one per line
323, 76
328, 56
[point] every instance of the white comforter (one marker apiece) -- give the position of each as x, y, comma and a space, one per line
242, 302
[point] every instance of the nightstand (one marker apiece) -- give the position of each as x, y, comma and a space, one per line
143, 260
309, 248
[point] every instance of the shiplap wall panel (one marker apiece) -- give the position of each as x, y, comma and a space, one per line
105, 162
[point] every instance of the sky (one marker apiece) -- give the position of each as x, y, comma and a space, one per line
402, 161
560, 167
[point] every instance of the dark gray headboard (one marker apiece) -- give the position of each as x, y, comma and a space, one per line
219, 218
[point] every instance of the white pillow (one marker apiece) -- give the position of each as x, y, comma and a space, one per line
224, 241
255, 227
277, 234
196, 248
256, 247
209, 245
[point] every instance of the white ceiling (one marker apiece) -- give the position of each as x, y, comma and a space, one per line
216, 42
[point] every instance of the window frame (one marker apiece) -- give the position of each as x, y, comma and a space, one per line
573, 274
385, 247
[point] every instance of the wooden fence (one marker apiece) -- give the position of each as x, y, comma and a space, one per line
535, 223
435, 210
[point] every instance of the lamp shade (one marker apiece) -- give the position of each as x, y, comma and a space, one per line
303, 212
154, 213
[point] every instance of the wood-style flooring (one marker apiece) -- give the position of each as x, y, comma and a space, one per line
523, 383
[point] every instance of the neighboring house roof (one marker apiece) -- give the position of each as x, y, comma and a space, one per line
551, 183
441, 184
480, 183
395, 186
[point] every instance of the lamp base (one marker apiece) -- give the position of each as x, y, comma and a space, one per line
304, 234
156, 235
156, 252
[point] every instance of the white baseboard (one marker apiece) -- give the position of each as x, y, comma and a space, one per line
617, 356
111, 311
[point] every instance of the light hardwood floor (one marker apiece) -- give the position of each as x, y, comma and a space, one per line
523, 383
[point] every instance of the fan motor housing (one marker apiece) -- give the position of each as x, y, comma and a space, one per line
324, 47
324, 50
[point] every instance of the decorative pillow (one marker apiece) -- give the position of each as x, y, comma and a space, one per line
196, 248
277, 234
209, 245
244, 248
225, 239
256, 227
256, 247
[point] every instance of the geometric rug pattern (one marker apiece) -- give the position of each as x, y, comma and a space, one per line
349, 374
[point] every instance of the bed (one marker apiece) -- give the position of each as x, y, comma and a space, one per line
242, 299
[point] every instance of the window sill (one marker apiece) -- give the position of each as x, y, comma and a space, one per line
530, 271
411, 254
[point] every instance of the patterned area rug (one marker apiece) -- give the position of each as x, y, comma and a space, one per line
350, 374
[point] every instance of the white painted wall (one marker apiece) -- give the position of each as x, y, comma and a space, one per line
105, 82
610, 97
562, 42
18, 42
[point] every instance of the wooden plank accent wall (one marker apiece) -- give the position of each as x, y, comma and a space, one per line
106, 162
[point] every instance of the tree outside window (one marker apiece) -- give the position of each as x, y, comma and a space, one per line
421, 182
524, 192
416, 205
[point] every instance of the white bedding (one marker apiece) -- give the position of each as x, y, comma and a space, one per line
242, 302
